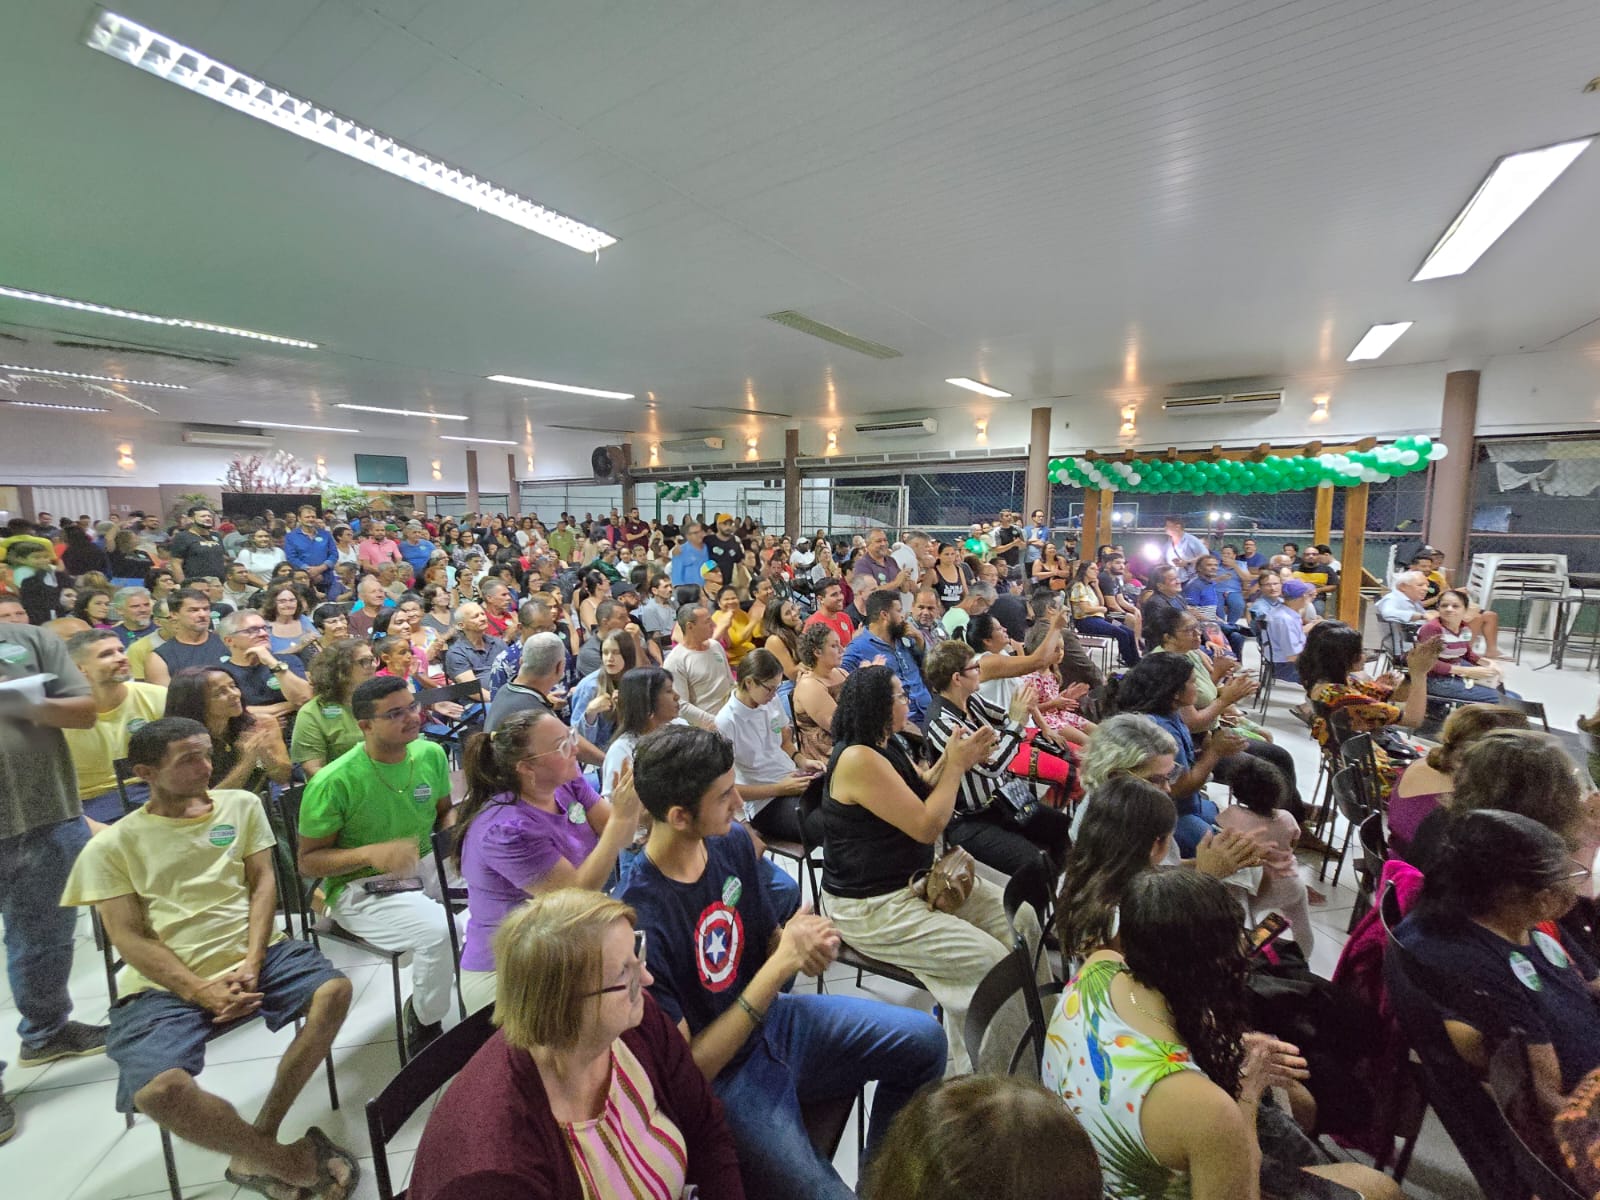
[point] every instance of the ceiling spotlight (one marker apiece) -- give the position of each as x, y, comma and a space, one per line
403, 412
1377, 340
983, 389
174, 387
138, 46
1510, 188
129, 314
560, 387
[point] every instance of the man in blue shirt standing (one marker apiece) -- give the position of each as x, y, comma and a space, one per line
1251, 557
689, 555
1183, 550
416, 549
884, 637
722, 963
310, 546
1035, 534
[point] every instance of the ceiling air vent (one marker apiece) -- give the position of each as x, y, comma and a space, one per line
226, 437
898, 429
805, 324
1230, 404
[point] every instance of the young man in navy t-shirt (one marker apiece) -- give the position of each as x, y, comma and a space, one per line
722, 964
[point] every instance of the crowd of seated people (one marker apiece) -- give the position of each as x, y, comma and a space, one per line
647, 712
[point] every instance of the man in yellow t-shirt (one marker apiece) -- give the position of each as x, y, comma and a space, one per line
121, 706
186, 889
140, 650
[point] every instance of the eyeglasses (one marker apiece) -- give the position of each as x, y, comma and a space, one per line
636, 972
567, 744
394, 714
970, 668
251, 630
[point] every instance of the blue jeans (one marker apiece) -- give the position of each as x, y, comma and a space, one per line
785, 889
1232, 602
1127, 644
33, 870
1196, 818
821, 1048
1449, 687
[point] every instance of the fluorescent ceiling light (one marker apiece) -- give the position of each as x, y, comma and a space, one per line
286, 425
175, 387
561, 387
1512, 185
983, 389
403, 412
54, 407
164, 58
445, 437
1378, 339
129, 314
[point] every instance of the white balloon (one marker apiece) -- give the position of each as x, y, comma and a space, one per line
1437, 451
1370, 476
1326, 483
1135, 477
1410, 458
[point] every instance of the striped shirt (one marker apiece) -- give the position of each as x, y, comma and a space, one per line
981, 782
632, 1149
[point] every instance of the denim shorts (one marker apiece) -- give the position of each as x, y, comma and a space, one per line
155, 1031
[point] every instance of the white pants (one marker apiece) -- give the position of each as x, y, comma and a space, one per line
949, 952
413, 921
478, 989
1286, 895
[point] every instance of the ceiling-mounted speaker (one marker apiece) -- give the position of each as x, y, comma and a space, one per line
609, 463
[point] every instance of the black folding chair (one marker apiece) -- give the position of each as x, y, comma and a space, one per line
435, 1065
1012, 976
454, 899
1350, 798
452, 733
1268, 675
1028, 888
1374, 853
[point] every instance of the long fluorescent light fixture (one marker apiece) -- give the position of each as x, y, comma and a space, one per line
560, 387
1377, 340
1512, 185
52, 407
403, 412
307, 428
128, 314
174, 387
445, 437
983, 389
161, 56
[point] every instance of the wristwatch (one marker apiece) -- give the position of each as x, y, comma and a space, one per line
278, 668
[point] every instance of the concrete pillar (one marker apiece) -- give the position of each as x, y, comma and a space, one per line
1036, 487
513, 492
1451, 503
472, 481
791, 483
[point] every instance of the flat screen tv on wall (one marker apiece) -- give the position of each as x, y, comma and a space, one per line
382, 470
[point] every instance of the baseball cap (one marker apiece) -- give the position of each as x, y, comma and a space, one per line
413, 524
803, 544
1293, 589
721, 517
707, 569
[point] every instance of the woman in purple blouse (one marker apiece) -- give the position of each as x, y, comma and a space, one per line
530, 823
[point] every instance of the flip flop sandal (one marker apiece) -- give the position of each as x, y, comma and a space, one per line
269, 1186
328, 1185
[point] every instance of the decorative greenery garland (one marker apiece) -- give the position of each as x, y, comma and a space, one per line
673, 492
1230, 477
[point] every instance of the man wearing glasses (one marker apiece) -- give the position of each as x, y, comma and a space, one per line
366, 825
720, 962
270, 686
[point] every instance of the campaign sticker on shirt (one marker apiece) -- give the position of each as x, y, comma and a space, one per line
10, 652
330, 711
1552, 950
135, 724
222, 835
1525, 972
422, 793
576, 814
732, 889
718, 946
273, 684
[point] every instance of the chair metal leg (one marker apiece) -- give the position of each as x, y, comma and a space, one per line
1344, 848
399, 1012
333, 1086
172, 1165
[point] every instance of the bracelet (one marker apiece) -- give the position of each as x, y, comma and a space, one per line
756, 1018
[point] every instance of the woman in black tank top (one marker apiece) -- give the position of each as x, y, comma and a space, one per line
949, 576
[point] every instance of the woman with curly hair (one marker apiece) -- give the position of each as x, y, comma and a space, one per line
1150, 1049
325, 728
815, 694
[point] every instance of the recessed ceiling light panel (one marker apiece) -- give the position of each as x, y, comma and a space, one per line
1377, 340
983, 389
288, 425
54, 407
560, 387
403, 412
128, 314
161, 56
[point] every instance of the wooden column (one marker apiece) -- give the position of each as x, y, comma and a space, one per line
1090, 534
513, 492
472, 481
1036, 484
1350, 568
791, 483
1104, 533
1322, 522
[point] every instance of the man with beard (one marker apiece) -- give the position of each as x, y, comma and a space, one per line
198, 550
725, 548
883, 639
121, 705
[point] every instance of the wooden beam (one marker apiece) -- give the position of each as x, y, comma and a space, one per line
1322, 522
1355, 536
1091, 523
1108, 502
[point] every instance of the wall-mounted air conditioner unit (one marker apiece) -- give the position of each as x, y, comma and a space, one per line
693, 443
228, 439
912, 428
1231, 404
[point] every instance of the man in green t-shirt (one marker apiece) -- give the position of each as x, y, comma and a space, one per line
365, 825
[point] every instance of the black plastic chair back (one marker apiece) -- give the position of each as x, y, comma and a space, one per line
1012, 976
1356, 750
430, 1069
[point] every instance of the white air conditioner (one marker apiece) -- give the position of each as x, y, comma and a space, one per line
1232, 404
228, 440
914, 428
694, 443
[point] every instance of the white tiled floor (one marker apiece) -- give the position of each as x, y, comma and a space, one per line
72, 1145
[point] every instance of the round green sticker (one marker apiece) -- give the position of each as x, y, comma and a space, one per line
222, 835
1551, 949
1526, 973
10, 652
331, 711
422, 793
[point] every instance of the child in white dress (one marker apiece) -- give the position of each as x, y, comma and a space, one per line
1259, 789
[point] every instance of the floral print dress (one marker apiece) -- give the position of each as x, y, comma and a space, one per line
1103, 1069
